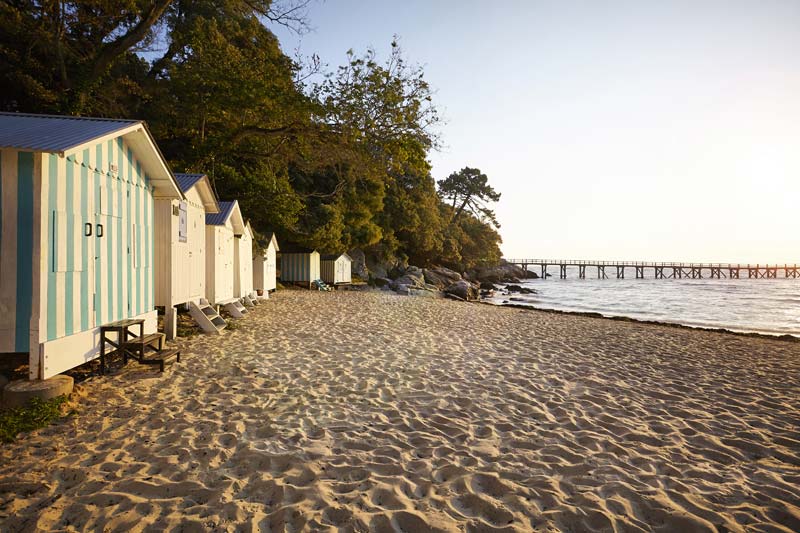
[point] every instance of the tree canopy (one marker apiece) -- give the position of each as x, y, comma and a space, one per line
337, 160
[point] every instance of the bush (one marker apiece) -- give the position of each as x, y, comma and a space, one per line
37, 414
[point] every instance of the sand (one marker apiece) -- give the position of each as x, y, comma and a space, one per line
375, 412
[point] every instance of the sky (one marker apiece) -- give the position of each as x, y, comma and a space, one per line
635, 130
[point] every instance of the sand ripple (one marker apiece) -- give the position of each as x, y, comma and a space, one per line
374, 412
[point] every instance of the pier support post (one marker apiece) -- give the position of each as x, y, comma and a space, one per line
563, 271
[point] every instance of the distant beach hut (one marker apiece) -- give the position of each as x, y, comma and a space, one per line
336, 269
299, 265
243, 263
221, 231
77, 235
265, 266
180, 253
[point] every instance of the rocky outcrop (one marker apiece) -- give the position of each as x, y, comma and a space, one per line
359, 266
464, 290
412, 278
502, 273
441, 277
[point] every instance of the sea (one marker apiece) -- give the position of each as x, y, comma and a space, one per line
767, 306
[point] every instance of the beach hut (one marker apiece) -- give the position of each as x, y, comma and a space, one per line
265, 266
77, 234
336, 269
299, 265
221, 231
243, 263
180, 252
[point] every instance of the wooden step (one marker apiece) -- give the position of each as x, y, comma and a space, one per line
207, 317
146, 340
161, 357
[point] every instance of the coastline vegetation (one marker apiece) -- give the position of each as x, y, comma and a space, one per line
36, 414
332, 159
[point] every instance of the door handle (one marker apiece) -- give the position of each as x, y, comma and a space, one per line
87, 229
99, 230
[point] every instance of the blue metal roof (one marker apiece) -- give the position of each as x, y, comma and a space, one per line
187, 181
218, 219
52, 133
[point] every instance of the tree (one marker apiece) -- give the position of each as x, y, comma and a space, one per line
469, 189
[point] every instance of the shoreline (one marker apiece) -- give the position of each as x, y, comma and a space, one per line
783, 337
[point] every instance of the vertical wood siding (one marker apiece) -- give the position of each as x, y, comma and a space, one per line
92, 280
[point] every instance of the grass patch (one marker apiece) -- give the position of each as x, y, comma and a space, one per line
37, 414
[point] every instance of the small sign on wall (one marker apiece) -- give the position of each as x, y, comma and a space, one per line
183, 227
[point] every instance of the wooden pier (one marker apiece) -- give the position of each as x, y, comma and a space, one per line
661, 270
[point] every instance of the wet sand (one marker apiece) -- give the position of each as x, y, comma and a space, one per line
375, 412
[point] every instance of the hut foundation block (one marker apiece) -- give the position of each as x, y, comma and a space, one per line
17, 393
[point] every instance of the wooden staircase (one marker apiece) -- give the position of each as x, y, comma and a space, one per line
236, 309
149, 350
207, 317
146, 349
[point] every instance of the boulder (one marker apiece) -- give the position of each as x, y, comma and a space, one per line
530, 274
426, 293
488, 286
381, 282
520, 289
441, 277
463, 289
359, 266
502, 273
411, 279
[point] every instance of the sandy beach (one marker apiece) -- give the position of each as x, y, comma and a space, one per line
354, 411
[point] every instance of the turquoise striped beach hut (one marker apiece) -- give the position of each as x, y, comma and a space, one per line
76, 233
299, 265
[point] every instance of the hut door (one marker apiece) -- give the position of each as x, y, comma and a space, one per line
106, 262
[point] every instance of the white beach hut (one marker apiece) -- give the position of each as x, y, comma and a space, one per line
243, 263
77, 233
221, 231
265, 267
336, 269
299, 265
180, 252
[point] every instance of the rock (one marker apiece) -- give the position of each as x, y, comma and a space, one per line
454, 297
488, 286
359, 266
3, 381
463, 289
441, 277
502, 273
426, 293
411, 278
530, 274
381, 282
520, 289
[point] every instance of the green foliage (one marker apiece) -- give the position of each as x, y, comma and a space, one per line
37, 414
335, 164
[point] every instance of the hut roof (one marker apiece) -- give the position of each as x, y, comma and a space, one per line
57, 134
203, 184
292, 248
227, 210
334, 257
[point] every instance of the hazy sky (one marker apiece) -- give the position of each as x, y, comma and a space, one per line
658, 130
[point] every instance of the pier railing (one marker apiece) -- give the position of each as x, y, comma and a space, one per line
663, 270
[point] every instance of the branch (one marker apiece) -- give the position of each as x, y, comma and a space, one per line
110, 51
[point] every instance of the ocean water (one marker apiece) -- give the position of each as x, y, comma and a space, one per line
770, 306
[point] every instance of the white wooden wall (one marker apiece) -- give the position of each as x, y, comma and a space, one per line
219, 263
